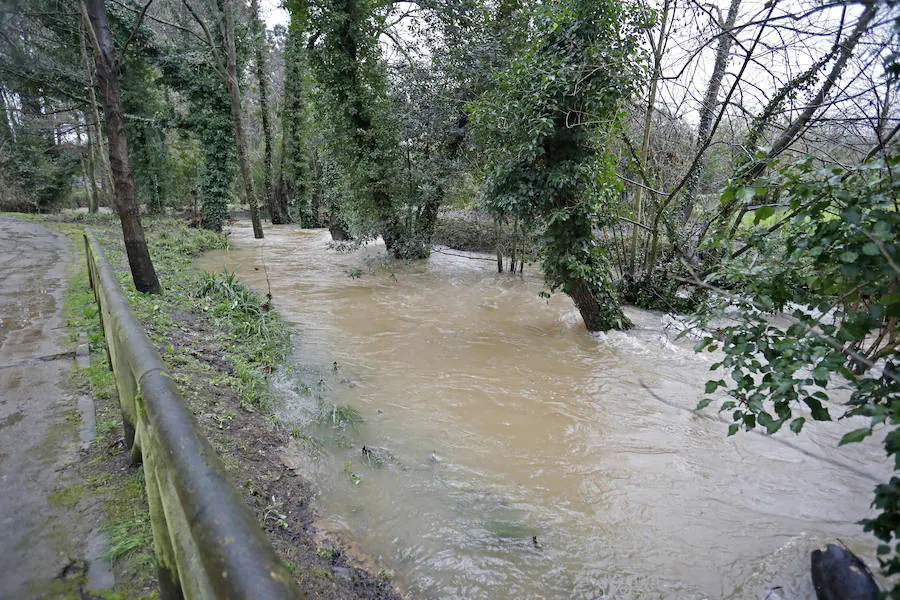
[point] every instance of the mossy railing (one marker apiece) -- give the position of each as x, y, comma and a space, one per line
207, 542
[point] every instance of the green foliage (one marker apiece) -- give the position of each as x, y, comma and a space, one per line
837, 283
545, 125
361, 132
145, 110
35, 174
209, 118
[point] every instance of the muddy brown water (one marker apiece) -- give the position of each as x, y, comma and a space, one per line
501, 418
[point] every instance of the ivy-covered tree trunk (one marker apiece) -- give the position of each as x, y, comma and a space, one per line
234, 93
570, 259
142, 270
260, 32
545, 121
291, 175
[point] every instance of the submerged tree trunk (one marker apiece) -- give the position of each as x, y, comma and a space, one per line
595, 305
234, 93
142, 270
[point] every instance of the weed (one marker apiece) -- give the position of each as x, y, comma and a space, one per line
355, 477
340, 417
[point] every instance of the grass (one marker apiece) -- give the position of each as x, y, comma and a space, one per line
107, 474
250, 338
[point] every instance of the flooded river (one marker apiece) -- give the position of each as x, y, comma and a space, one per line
497, 417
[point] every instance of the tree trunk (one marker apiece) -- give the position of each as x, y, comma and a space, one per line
659, 50
142, 270
94, 195
708, 108
87, 186
498, 244
278, 203
598, 307
234, 93
264, 109
105, 169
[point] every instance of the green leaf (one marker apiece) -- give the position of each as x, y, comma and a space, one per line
797, 424
703, 403
870, 249
762, 213
733, 429
819, 412
711, 387
857, 435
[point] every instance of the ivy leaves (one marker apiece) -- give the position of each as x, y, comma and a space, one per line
814, 307
543, 125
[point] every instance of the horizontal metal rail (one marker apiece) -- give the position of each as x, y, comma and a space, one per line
208, 543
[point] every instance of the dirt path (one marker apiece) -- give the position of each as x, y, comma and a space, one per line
48, 527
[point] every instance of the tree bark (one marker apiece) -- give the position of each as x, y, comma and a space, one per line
142, 271
92, 168
708, 108
99, 148
234, 93
658, 52
264, 110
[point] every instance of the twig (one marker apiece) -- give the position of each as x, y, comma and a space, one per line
137, 25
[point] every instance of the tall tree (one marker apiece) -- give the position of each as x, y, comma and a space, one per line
234, 93
225, 64
292, 167
546, 124
259, 44
142, 271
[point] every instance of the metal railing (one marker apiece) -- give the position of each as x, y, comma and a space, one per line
208, 543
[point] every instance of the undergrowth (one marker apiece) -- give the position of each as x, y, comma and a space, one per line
252, 337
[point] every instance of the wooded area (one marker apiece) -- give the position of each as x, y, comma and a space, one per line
674, 155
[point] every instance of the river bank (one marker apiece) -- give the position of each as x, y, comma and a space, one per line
221, 345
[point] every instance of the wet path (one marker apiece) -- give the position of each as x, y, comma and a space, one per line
45, 526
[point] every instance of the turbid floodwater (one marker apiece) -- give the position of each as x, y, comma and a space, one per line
497, 417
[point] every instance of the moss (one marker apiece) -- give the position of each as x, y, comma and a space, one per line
66, 496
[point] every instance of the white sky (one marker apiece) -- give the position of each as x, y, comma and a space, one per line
273, 13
